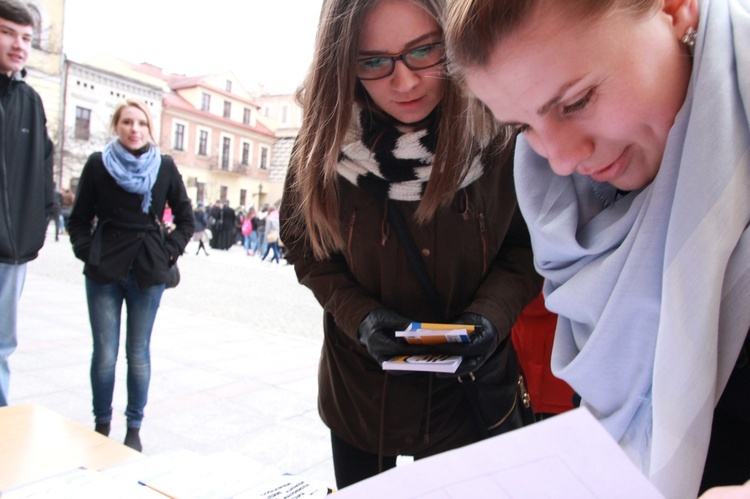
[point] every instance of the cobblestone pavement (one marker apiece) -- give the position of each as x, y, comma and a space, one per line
227, 284
234, 355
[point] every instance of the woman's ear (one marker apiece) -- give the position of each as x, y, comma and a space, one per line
683, 13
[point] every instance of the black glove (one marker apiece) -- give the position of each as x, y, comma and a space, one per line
377, 334
482, 344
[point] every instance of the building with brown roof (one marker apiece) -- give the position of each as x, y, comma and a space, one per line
212, 128
214, 131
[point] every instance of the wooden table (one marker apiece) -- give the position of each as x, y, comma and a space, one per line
36, 442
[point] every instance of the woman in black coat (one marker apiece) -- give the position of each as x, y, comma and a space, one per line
114, 228
225, 227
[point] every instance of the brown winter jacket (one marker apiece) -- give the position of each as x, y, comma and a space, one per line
478, 255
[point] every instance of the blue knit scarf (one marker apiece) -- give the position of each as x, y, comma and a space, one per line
134, 174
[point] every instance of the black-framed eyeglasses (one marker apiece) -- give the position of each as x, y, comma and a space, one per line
423, 57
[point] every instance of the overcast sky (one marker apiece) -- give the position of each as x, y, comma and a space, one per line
261, 41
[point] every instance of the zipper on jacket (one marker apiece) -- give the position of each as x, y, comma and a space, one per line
507, 415
483, 234
385, 226
4, 186
525, 397
463, 205
349, 238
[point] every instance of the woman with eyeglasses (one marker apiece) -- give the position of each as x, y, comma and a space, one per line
385, 144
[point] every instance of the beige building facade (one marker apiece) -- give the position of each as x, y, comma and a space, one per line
214, 130
91, 96
45, 66
223, 144
211, 127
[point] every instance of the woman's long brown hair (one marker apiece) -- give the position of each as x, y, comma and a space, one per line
327, 97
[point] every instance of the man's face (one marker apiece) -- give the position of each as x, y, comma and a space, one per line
15, 45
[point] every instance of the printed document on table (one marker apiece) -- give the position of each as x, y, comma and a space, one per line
569, 455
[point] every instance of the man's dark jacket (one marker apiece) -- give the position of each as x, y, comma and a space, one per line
26, 159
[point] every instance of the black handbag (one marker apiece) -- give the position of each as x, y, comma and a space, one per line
173, 272
497, 390
497, 394
173, 276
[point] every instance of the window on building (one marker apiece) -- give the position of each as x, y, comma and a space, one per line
284, 115
205, 102
245, 153
263, 158
179, 137
36, 37
83, 123
243, 197
223, 192
203, 143
200, 190
227, 109
225, 147
229, 86
246, 116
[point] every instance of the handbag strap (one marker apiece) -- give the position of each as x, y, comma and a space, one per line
415, 261
471, 391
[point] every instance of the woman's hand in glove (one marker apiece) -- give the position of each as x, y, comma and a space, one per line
377, 334
482, 344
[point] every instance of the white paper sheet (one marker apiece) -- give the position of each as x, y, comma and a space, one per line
567, 456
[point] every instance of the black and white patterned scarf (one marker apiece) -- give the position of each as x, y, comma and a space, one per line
390, 160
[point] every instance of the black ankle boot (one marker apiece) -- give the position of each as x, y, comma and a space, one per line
133, 439
102, 428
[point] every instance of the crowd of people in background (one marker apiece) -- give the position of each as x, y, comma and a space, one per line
224, 227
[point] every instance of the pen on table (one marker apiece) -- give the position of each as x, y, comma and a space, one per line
156, 490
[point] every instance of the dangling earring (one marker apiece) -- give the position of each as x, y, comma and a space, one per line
690, 35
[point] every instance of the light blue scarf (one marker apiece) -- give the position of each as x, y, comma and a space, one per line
136, 175
653, 289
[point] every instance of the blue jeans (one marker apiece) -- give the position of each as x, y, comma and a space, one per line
275, 247
254, 242
11, 284
247, 242
105, 309
262, 243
